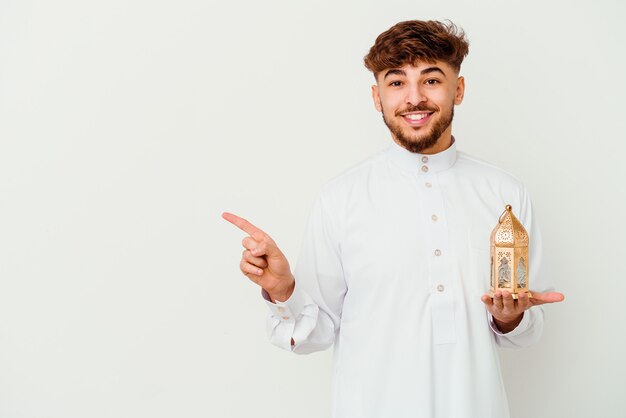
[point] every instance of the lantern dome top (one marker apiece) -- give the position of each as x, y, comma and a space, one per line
509, 232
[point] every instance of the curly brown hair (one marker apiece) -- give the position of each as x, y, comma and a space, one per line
413, 41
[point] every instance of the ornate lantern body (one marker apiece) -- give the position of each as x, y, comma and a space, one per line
509, 255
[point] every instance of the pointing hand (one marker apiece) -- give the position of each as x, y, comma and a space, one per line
262, 261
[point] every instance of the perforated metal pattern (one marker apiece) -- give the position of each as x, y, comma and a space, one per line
504, 235
510, 232
521, 237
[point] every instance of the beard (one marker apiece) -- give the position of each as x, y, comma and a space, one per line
419, 142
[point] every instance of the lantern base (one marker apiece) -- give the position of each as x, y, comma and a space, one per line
515, 295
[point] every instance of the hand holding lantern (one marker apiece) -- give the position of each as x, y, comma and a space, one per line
508, 296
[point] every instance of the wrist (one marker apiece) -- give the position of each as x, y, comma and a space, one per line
507, 326
282, 294
503, 327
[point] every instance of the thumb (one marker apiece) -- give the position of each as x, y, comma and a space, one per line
546, 297
267, 248
273, 252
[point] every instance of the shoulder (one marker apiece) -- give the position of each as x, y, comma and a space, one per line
475, 167
354, 177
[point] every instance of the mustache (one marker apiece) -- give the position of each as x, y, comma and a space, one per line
420, 107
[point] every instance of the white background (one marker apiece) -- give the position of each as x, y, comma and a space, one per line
128, 126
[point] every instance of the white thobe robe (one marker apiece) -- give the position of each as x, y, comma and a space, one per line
394, 263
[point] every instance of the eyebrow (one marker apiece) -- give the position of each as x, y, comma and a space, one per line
433, 70
394, 72
397, 71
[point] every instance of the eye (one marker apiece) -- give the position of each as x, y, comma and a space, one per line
396, 83
432, 81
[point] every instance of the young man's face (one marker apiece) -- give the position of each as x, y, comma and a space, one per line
417, 103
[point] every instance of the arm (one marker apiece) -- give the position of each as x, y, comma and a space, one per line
305, 310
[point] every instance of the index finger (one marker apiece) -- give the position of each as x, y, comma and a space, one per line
244, 225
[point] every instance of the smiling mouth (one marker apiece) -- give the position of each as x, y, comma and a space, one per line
417, 119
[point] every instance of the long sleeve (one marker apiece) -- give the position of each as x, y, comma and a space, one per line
529, 330
311, 316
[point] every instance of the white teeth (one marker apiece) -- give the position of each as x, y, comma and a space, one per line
416, 116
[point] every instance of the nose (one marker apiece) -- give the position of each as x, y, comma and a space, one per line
415, 96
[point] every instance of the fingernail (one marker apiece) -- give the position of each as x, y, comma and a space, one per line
255, 251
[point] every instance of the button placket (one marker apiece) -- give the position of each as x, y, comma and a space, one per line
433, 208
437, 243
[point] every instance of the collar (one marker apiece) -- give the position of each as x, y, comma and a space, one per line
422, 163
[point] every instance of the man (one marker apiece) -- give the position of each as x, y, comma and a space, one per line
396, 256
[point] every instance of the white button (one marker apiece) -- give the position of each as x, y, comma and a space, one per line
425, 168
434, 218
437, 253
424, 159
428, 185
281, 309
285, 317
440, 288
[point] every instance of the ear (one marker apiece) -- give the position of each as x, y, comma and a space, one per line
376, 98
460, 90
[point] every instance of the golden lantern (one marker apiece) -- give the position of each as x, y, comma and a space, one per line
509, 255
